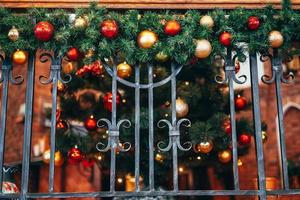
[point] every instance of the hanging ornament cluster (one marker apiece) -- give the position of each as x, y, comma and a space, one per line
225, 156
253, 23
225, 38
146, 39
244, 139
240, 102
13, 34
172, 28
227, 126
43, 31
207, 21
58, 158
107, 101
182, 108
204, 146
203, 48
73, 54
96, 69
91, 123
109, 29
275, 39
75, 156
19, 57
124, 70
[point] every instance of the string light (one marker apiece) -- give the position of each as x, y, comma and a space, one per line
181, 169
240, 163
120, 180
198, 157
187, 83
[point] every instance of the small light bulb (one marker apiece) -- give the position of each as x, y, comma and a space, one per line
198, 157
181, 169
120, 180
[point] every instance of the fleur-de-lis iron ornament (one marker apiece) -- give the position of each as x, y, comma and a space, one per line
113, 136
6, 72
174, 135
55, 70
230, 70
277, 69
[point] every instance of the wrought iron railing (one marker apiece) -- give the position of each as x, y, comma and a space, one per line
174, 132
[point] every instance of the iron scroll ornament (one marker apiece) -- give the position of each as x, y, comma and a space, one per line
174, 135
7, 72
277, 70
55, 70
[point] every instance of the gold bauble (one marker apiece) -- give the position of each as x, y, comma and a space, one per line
80, 22
204, 146
161, 57
13, 34
203, 48
225, 156
90, 53
182, 108
124, 70
207, 21
146, 39
264, 136
19, 57
58, 158
69, 67
275, 39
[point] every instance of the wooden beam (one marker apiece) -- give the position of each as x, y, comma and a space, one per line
147, 4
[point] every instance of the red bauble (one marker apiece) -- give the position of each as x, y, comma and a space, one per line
43, 31
225, 38
88, 162
244, 139
172, 28
227, 126
90, 124
73, 54
74, 156
107, 100
109, 29
240, 102
62, 125
253, 23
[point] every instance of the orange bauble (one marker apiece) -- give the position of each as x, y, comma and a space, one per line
19, 57
204, 147
172, 28
146, 39
225, 156
124, 70
275, 39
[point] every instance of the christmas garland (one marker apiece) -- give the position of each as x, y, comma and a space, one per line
138, 37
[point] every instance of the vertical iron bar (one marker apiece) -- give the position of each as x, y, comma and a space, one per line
114, 127
230, 62
151, 134
174, 120
257, 126
5, 74
53, 131
27, 127
137, 128
278, 66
